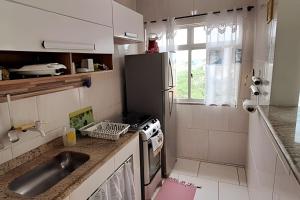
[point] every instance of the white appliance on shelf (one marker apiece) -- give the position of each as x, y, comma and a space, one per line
53, 69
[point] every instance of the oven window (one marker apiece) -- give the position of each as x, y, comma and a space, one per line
154, 162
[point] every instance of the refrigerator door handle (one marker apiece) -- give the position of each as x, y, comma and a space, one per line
171, 103
171, 73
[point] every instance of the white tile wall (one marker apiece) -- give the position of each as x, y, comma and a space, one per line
194, 143
24, 111
217, 134
4, 122
227, 147
54, 108
105, 96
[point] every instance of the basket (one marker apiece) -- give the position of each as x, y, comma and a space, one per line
105, 130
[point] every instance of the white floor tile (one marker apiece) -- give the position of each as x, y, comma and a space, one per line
221, 173
232, 192
186, 167
242, 177
208, 190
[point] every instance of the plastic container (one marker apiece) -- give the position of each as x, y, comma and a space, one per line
69, 136
105, 130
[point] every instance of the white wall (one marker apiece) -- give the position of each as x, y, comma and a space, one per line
286, 72
217, 134
276, 54
264, 48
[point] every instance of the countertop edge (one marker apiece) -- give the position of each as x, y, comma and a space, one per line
280, 145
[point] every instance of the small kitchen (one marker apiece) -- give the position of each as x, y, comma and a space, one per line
149, 100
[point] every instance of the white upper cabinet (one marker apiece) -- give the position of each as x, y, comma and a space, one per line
25, 28
128, 24
97, 11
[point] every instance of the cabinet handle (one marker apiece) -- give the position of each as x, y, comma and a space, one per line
131, 35
68, 45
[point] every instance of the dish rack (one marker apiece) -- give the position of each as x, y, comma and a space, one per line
105, 130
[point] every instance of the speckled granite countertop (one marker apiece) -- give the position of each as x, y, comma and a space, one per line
99, 151
284, 123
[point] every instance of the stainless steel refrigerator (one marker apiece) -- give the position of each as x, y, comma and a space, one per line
150, 89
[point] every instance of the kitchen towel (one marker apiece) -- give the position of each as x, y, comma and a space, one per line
129, 182
157, 142
114, 188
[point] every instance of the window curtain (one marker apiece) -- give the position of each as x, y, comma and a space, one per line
165, 30
224, 36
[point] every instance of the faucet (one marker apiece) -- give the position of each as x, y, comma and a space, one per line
38, 127
13, 133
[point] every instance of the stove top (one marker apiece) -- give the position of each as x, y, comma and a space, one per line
136, 120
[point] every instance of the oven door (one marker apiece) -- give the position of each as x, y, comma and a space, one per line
152, 163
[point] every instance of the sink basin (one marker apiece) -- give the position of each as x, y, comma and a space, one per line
46, 175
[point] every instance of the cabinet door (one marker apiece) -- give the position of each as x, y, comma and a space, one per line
127, 23
97, 11
86, 189
263, 160
24, 28
131, 149
286, 187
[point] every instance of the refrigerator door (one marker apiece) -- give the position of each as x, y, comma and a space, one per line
170, 147
144, 84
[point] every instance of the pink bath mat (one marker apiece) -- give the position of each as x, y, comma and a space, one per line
172, 189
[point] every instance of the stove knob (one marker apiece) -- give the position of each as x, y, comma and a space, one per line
153, 121
145, 127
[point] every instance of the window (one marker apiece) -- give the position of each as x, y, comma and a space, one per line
190, 63
208, 61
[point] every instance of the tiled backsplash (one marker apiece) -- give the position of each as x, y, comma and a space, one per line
105, 96
217, 134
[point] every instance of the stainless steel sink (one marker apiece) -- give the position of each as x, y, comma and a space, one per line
46, 175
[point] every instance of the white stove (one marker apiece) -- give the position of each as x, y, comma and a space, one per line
150, 161
149, 129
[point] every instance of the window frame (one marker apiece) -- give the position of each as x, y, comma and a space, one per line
190, 46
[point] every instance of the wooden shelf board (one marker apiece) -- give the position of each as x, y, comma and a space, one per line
49, 78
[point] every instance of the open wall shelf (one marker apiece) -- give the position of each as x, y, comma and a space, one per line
20, 88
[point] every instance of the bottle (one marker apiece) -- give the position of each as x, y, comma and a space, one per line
69, 136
